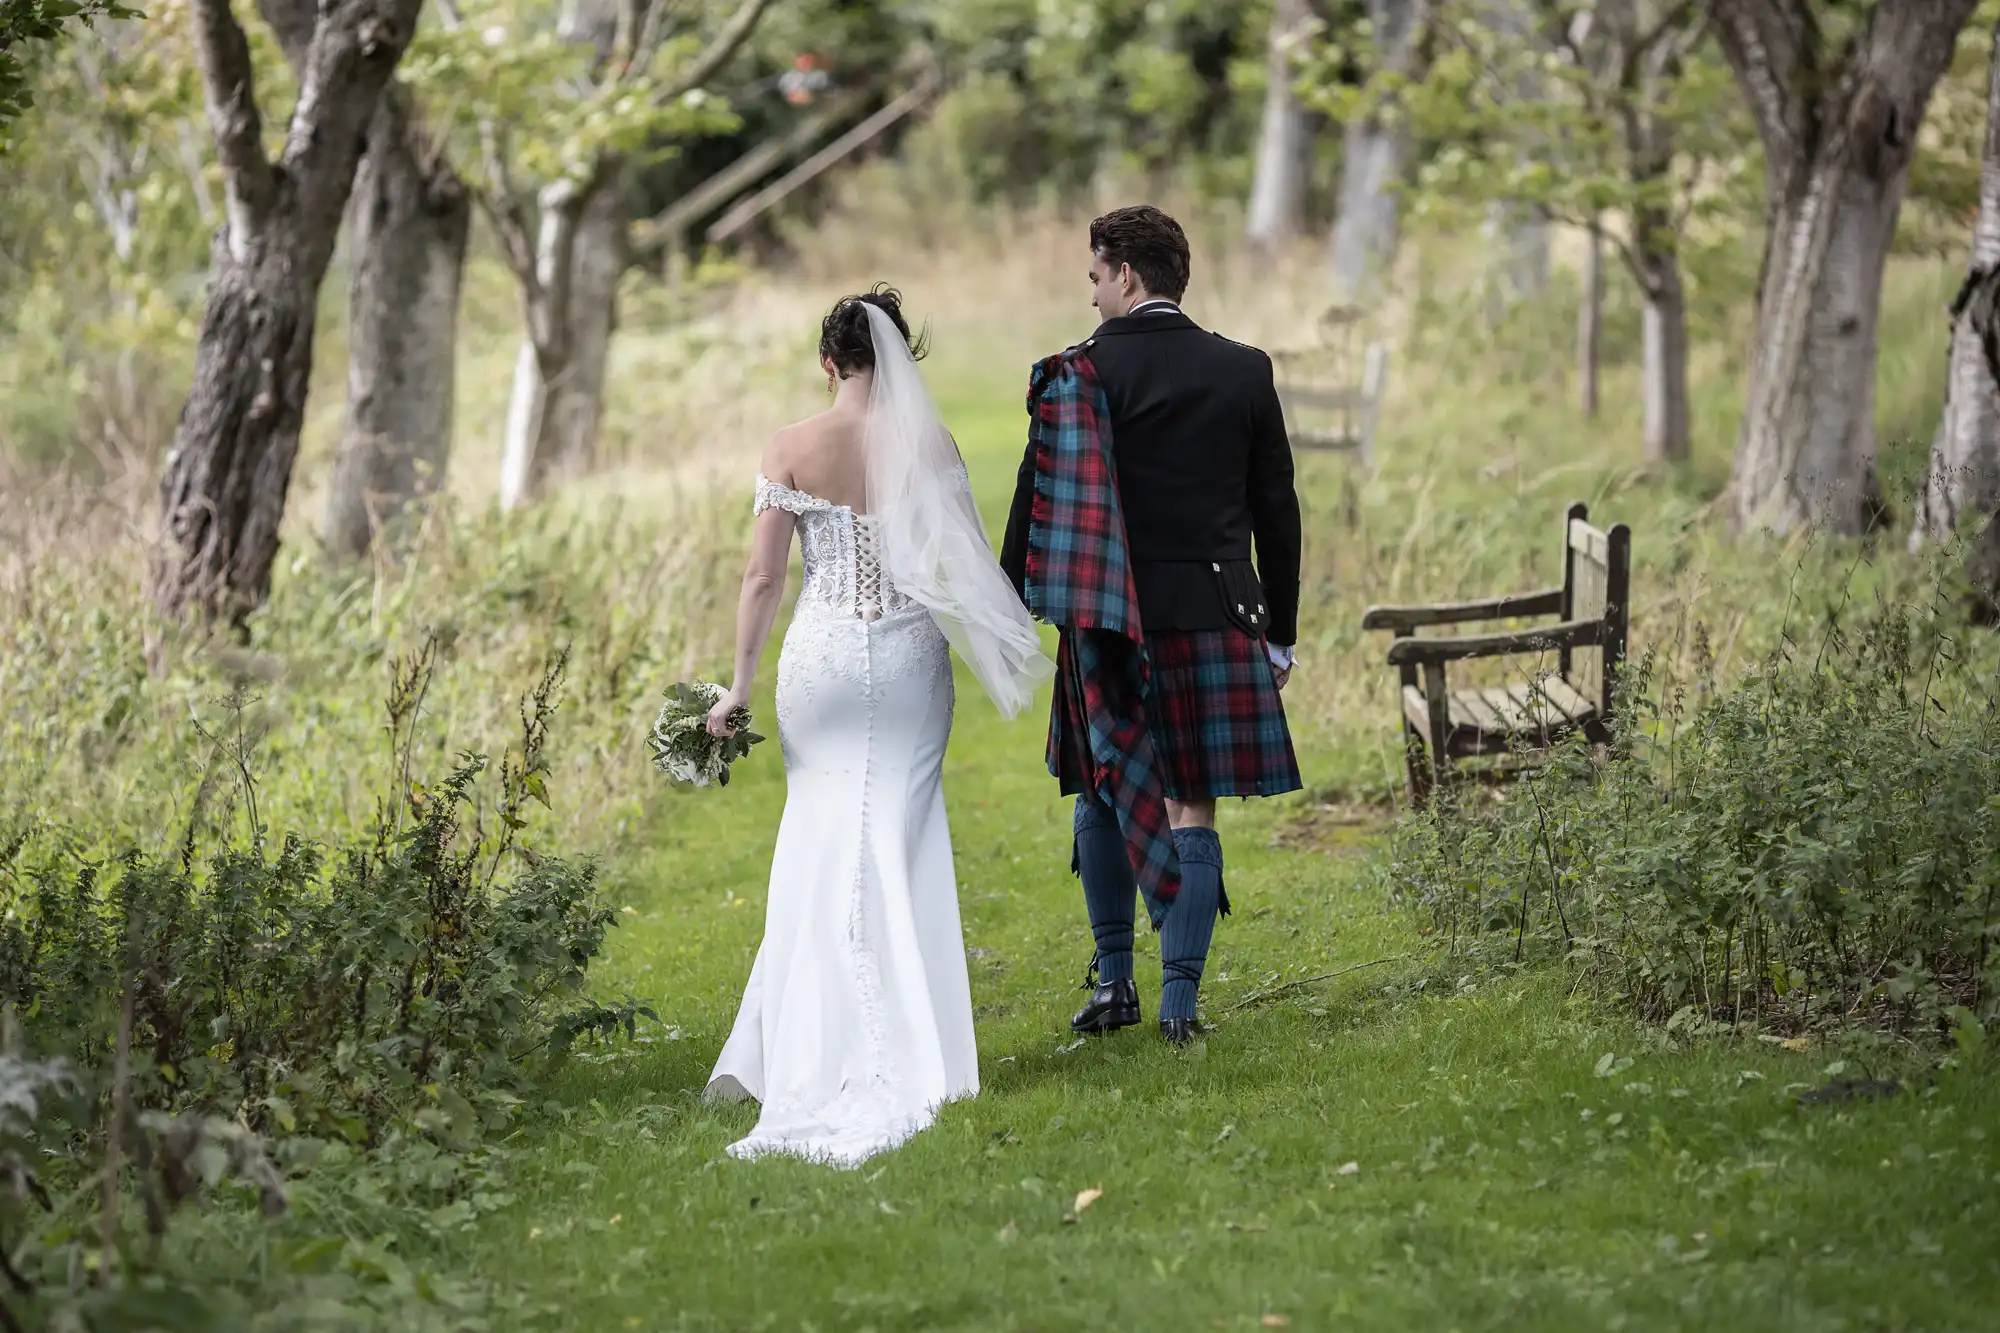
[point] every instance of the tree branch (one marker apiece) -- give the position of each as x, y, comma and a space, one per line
293, 22
1669, 21
652, 31
250, 185
665, 227
497, 197
501, 203
727, 42
1769, 44
355, 48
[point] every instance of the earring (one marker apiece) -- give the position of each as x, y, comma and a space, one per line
830, 390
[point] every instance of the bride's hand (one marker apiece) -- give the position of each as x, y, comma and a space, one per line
718, 716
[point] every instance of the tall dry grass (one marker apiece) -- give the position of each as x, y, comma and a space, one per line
633, 569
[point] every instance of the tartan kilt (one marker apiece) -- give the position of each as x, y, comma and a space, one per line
1212, 711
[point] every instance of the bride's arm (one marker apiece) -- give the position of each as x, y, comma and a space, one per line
756, 608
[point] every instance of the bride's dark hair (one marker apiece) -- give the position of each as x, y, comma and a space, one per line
845, 338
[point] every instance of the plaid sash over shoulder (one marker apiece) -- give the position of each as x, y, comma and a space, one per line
1080, 579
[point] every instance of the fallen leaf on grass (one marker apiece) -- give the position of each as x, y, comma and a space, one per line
1009, 1233
1277, 1321
1085, 1198
1349, 1169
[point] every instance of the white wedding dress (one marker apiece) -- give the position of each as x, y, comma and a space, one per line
857, 1022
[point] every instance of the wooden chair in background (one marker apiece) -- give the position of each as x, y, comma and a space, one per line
1442, 726
1332, 397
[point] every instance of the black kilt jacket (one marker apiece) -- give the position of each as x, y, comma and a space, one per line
1204, 474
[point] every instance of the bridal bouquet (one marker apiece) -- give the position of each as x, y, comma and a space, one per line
684, 750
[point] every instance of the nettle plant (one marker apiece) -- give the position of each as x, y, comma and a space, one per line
1815, 846
173, 1012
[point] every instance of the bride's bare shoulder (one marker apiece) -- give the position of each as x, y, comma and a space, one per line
787, 446
811, 444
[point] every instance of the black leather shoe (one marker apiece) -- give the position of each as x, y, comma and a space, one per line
1113, 1005
1179, 1031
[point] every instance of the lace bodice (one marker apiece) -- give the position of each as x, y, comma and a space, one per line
842, 553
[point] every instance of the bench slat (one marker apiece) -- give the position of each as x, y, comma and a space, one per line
1566, 699
1471, 708
1293, 396
1327, 440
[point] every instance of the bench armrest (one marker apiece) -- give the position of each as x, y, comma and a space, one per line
1546, 638
1547, 602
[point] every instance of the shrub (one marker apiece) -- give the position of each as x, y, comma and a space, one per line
181, 1010
1814, 845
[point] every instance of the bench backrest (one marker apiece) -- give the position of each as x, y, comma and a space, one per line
1319, 383
1597, 583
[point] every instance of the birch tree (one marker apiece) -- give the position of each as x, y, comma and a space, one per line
1374, 152
1278, 188
1962, 486
552, 186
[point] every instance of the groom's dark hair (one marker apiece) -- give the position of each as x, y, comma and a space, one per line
1151, 242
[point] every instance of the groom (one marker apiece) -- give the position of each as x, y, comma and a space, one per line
1156, 453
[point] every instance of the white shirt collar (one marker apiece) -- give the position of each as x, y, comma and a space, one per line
1159, 305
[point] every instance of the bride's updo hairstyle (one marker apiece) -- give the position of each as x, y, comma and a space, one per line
844, 336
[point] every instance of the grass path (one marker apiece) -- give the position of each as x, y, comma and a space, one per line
1393, 1149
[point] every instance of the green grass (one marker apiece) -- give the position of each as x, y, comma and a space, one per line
1500, 1182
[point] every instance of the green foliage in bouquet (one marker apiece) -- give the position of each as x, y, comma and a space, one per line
684, 750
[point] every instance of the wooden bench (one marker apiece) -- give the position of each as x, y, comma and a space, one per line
1328, 407
1442, 726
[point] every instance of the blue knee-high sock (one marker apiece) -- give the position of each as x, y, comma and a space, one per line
1190, 923
1109, 888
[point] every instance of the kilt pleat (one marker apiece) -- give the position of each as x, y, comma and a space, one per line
1213, 713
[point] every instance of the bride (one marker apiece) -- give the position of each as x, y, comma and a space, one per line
856, 1024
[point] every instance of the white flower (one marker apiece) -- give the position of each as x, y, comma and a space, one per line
682, 747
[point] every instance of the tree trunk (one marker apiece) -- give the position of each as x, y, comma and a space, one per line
1590, 322
1278, 191
1664, 358
1805, 452
1839, 128
1519, 238
1371, 167
558, 399
411, 217
230, 469
1963, 482
231, 464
